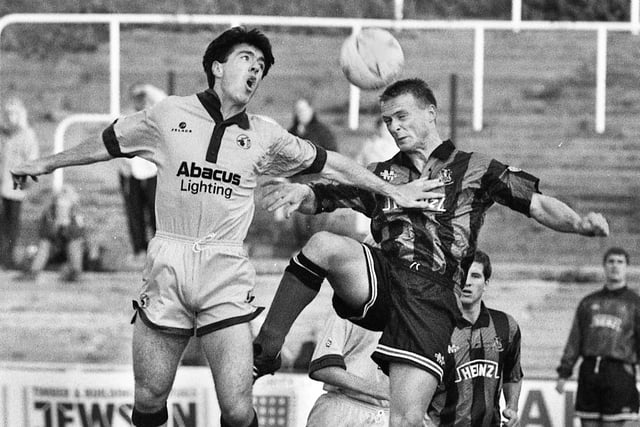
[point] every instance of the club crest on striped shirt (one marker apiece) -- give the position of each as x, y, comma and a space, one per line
445, 176
497, 343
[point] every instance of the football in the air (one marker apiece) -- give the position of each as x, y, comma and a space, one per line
371, 58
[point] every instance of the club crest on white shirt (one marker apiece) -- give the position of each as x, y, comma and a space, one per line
243, 141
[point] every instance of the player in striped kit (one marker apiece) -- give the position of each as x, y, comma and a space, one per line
197, 278
407, 287
606, 334
483, 361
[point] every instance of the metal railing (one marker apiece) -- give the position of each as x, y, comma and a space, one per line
479, 27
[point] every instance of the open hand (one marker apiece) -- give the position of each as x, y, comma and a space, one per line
278, 193
420, 194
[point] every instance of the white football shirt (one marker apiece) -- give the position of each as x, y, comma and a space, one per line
196, 197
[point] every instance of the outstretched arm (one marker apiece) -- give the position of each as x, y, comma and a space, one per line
87, 152
557, 216
415, 194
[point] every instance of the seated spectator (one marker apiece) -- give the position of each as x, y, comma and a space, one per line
62, 238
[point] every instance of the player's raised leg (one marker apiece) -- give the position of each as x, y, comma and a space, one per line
156, 356
340, 260
229, 354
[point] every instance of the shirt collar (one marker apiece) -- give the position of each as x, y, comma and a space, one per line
482, 322
211, 102
444, 150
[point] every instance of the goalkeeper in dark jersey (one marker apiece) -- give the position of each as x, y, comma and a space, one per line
606, 335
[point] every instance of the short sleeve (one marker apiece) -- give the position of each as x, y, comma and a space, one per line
329, 350
512, 366
289, 155
134, 134
510, 186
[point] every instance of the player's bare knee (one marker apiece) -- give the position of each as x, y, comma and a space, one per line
150, 398
237, 413
319, 246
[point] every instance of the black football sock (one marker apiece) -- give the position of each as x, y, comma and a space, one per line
298, 287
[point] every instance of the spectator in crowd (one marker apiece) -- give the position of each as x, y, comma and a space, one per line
482, 362
138, 182
307, 125
379, 147
606, 335
18, 143
62, 236
357, 391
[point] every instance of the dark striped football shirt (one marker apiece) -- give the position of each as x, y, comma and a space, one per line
441, 239
481, 358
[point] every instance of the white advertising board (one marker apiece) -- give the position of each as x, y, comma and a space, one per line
54, 396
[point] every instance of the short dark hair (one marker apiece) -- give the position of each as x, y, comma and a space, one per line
414, 86
482, 258
615, 251
220, 48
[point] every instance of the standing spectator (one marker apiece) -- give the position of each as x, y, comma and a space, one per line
62, 235
606, 334
378, 147
307, 125
357, 391
138, 182
18, 143
483, 361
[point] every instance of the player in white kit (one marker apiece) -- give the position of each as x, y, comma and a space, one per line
357, 391
197, 279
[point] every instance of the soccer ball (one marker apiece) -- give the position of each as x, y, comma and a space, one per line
371, 58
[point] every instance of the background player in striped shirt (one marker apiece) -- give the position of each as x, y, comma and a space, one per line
197, 278
406, 288
483, 361
606, 334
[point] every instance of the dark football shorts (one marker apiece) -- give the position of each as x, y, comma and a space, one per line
415, 310
606, 390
